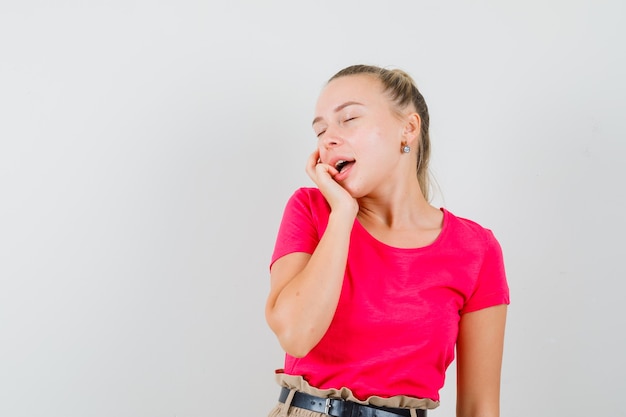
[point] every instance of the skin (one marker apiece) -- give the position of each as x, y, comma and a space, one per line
356, 120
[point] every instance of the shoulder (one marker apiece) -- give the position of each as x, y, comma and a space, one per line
468, 230
308, 192
309, 197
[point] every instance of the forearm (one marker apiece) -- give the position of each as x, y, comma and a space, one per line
305, 307
478, 410
479, 361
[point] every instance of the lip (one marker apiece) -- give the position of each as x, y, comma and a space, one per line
344, 172
334, 160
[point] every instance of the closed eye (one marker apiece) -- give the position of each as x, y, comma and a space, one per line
346, 120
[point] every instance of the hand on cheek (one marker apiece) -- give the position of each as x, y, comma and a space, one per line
322, 175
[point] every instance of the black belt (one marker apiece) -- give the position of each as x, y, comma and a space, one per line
342, 408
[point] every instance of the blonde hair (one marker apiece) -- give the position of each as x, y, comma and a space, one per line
403, 92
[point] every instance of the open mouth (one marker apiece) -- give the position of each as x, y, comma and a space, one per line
342, 164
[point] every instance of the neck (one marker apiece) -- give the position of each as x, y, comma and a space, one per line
397, 208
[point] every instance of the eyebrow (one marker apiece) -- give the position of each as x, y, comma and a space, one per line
339, 108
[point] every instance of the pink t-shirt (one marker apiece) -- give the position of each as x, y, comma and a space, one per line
396, 324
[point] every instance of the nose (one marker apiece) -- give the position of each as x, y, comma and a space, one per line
331, 137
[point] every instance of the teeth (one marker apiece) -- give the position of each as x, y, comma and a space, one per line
340, 164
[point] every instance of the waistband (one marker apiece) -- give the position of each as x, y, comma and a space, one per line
342, 408
299, 384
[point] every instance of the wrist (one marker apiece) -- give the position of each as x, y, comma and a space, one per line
343, 216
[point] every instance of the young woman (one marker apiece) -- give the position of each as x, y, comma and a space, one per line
372, 288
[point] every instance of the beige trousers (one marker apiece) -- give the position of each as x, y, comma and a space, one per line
297, 383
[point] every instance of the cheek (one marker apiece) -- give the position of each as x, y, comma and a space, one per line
374, 140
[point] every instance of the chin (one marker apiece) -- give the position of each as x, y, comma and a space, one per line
355, 192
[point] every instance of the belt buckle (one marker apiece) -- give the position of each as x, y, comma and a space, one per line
327, 407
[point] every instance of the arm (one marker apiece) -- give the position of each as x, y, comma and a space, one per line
305, 288
479, 361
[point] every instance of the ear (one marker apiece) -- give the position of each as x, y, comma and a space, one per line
412, 128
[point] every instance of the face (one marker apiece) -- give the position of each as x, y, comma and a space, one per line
359, 134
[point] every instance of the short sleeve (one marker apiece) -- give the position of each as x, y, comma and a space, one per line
491, 286
299, 229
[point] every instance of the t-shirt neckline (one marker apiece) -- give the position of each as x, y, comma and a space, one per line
436, 242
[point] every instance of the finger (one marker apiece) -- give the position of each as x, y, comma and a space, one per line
312, 162
318, 173
310, 165
327, 169
314, 158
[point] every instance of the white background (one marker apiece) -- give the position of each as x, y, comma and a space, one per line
147, 149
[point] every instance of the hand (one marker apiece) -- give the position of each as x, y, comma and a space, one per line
337, 197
